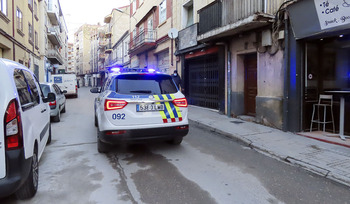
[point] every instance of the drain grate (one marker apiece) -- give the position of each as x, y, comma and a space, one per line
236, 122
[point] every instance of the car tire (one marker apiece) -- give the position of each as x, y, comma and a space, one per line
57, 118
101, 146
49, 139
176, 141
30, 186
64, 109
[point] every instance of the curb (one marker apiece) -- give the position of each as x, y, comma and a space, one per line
289, 160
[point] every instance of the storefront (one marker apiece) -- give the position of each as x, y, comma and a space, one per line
317, 61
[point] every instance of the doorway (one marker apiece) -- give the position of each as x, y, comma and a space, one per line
250, 84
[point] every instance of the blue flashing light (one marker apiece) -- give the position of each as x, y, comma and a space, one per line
150, 70
115, 69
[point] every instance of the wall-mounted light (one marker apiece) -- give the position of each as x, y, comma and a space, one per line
341, 36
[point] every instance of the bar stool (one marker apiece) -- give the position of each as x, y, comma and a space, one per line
324, 101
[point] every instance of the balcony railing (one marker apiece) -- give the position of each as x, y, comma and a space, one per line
53, 11
188, 37
147, 36
221, 13
53, 34
210, 17
54, 56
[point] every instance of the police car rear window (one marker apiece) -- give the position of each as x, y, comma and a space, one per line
144, 84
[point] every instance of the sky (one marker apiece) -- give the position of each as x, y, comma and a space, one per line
78, 12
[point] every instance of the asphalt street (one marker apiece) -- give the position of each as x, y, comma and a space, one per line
205, 168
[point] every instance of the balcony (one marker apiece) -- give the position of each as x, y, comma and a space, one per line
53, 11
108, 35
144, 41
108, 18
54, 56
188, 37
53, 35
102, 43
225, 18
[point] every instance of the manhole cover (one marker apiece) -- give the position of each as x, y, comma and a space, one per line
236, 122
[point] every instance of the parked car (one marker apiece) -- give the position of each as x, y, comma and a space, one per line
25, 129
59, 105
139, 106
66, 82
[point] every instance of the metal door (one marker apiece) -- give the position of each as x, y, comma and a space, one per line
203, 84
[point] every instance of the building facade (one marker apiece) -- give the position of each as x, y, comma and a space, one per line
82, 43
150, 44
317, 61
33, 33
20, 33
231, 57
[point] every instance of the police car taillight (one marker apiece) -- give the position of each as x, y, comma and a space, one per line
180, 102
13, 126
114, 104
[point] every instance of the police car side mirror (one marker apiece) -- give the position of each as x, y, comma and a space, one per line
64, 91
50, 97
95, 90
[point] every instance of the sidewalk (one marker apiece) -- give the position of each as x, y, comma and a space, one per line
328, 160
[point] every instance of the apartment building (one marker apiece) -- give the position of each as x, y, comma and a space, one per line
117, 37
20, 34
82, 45
70, 60
33, 33
231, 55
150, 45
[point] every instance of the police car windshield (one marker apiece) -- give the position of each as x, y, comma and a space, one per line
144, 84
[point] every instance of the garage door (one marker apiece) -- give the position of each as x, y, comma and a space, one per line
203, 82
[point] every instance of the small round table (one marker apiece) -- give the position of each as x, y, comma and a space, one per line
342, 95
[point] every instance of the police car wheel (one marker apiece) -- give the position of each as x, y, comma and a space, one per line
176, 141
101, 146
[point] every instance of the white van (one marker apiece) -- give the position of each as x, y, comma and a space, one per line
66, 82
25, 129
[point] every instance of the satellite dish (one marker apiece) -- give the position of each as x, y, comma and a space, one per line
173, 33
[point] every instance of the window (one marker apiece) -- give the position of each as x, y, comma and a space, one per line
162, 12
133, 6
36, 40
19, 17
35, 10
22, 89
4, 7
143, 84
30, 4
33, 89
126, 48
30, 33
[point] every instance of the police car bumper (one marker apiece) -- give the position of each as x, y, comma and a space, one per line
141, 135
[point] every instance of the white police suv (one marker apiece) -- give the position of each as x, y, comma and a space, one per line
25, 129
139, 106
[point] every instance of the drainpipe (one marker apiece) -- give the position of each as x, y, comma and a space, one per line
286, 74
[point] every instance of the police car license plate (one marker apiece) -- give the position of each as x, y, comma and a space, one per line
149, 107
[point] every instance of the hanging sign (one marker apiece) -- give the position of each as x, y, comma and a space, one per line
332, 13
